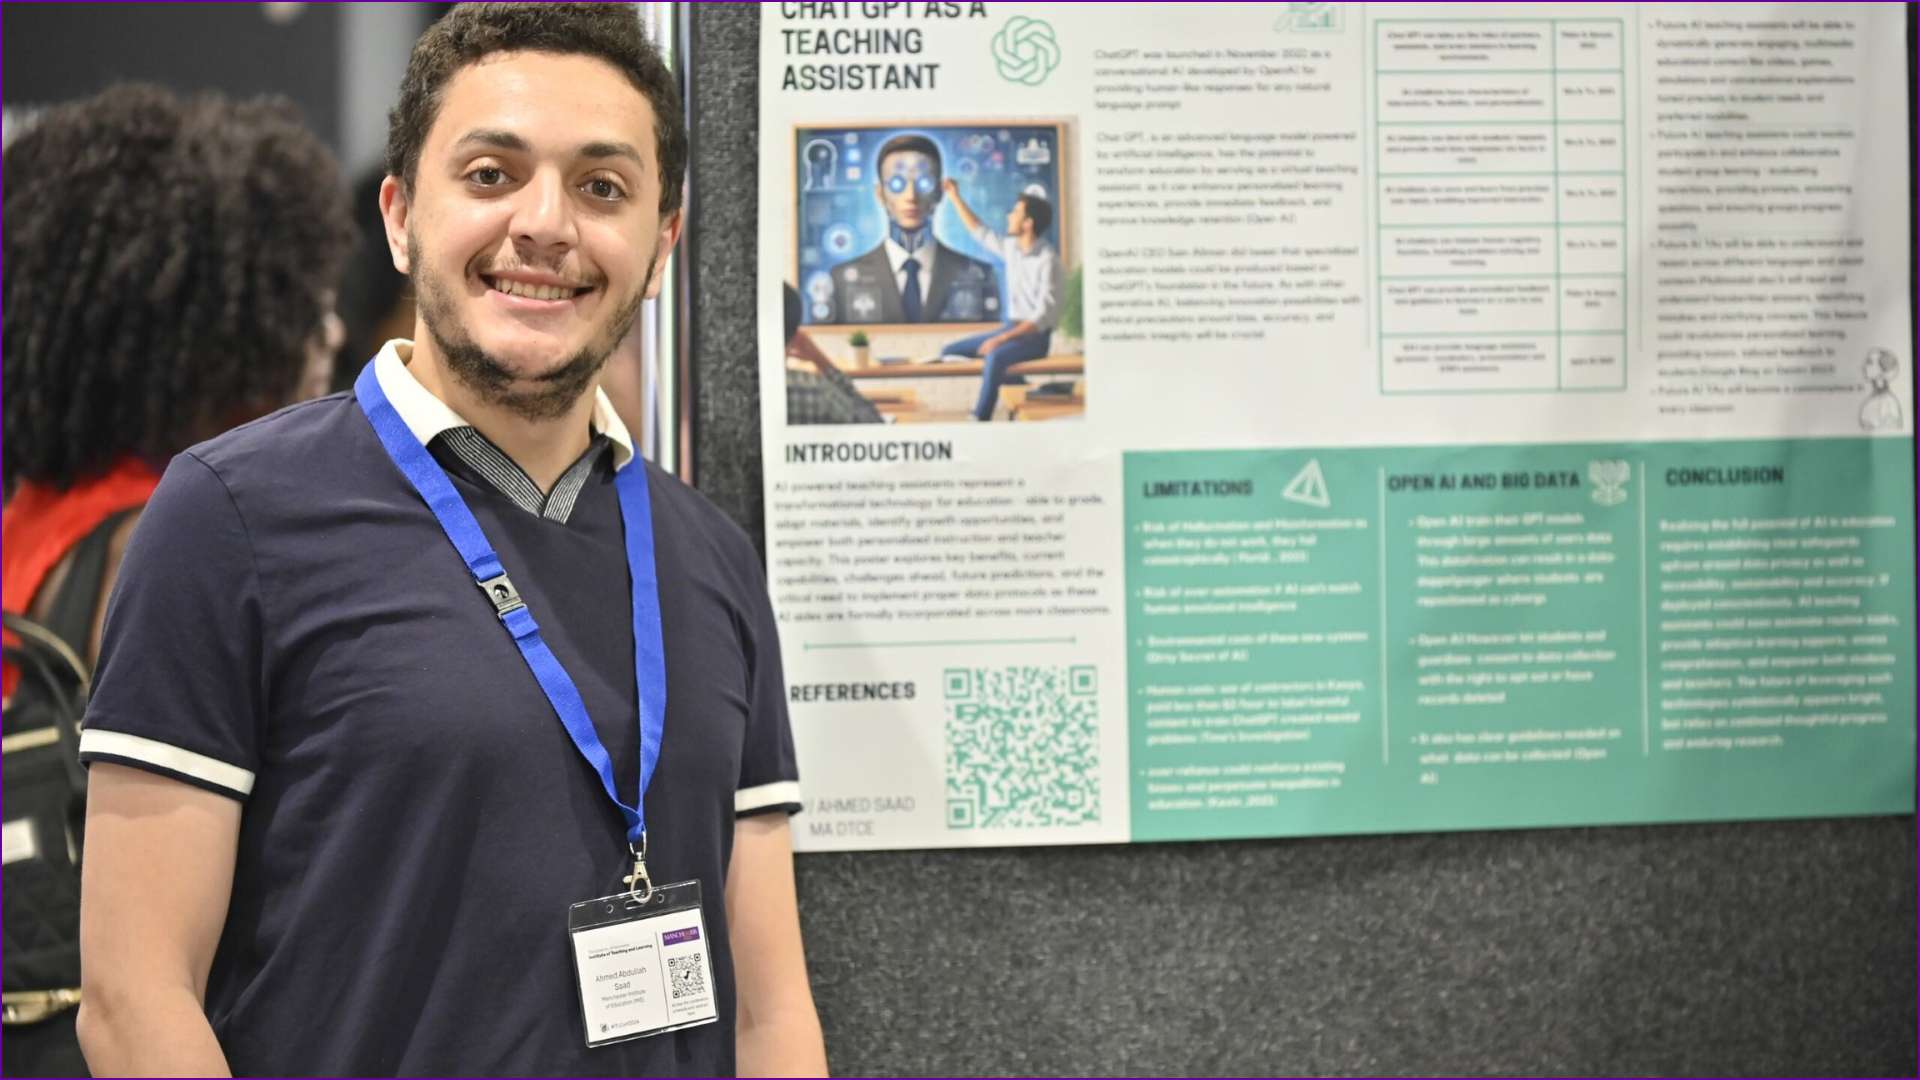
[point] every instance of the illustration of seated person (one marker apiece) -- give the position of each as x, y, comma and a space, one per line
910, 276
818, 392
1034, 284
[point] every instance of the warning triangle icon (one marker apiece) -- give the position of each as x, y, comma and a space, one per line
1308, 486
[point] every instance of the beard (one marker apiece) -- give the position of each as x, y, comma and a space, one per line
553, 392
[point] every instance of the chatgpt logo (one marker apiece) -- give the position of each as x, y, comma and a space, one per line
1024, 51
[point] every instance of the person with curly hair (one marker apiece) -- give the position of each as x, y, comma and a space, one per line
436, 731
169, 270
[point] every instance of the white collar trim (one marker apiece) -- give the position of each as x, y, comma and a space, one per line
897, 255
427, 416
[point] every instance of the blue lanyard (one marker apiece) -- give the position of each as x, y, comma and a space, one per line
649, 657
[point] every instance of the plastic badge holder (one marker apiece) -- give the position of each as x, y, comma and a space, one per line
642, 963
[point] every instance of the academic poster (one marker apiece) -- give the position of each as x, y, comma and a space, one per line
1192, 421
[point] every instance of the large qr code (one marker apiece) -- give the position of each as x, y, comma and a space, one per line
687, 975
1022, 747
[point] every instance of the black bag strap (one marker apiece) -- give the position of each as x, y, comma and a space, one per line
73, 609
57, 648
62, 677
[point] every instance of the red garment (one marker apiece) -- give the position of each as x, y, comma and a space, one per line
40, 525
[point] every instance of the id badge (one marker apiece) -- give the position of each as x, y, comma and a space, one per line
643, 967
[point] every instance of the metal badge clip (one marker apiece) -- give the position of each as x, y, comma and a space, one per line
505, 598
639, 880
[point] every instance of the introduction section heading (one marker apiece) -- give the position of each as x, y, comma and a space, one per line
813, 453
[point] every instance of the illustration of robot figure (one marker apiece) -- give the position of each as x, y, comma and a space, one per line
859, 267
910, 276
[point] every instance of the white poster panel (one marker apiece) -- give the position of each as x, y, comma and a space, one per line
1198, 421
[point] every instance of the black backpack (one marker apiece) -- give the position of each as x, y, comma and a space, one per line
45, 808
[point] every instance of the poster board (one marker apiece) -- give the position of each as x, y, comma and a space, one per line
1453, 365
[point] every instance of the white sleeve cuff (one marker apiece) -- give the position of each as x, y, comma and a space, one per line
166, 757
759, 797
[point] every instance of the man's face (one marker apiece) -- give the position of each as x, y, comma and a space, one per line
909, 187
533, 230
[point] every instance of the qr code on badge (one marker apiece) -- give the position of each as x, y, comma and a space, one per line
687, 976
1022, 747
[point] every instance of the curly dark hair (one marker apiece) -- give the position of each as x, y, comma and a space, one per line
609, 32
166, 263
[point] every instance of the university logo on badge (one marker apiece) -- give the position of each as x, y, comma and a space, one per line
1024, 51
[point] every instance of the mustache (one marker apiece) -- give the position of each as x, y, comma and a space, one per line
580, 280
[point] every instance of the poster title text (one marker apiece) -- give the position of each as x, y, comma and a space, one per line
875, 46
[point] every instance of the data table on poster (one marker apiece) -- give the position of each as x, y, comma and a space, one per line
1502, 186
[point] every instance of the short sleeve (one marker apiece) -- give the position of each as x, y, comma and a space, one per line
180, 689
769, 776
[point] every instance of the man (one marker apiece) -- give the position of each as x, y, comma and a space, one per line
910, 276
335, 824
1033, 293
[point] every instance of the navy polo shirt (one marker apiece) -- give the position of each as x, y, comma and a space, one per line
292, 628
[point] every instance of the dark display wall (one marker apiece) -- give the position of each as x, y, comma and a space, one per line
58, 52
